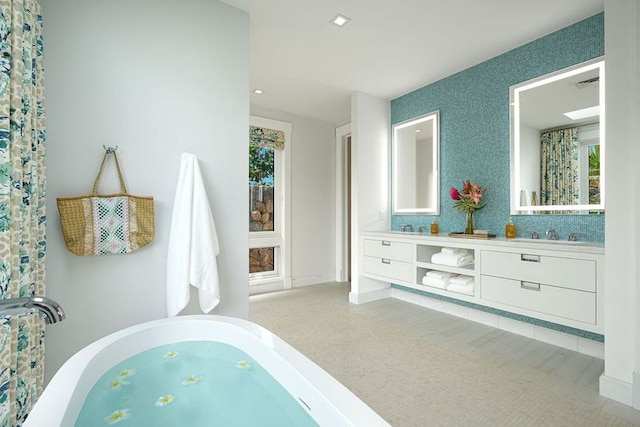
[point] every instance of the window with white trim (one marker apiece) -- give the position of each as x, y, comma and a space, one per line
267, 147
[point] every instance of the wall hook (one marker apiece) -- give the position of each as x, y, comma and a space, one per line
110, 150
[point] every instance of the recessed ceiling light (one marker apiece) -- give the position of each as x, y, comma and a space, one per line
258, 91
418, 130
340, 20
583, 113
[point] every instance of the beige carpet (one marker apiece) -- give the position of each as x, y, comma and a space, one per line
418, 367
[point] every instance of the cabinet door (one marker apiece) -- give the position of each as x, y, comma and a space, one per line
579, 274
561, 302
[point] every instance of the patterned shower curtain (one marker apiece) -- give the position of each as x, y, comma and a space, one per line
22, 204
560, 183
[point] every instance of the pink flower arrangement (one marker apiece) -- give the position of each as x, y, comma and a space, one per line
468, 199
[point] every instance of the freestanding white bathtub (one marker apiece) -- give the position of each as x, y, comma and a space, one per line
327, 401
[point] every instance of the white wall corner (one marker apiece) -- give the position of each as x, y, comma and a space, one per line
612, 388
370, 124
622, 347
365, 297
288, 282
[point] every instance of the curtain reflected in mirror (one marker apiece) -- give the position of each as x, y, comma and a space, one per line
560, 183
557, 142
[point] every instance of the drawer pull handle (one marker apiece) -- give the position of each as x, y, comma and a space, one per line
386, 261
386, 243
530, 258
530, 286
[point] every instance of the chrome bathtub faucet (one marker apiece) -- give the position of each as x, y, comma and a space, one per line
46, 308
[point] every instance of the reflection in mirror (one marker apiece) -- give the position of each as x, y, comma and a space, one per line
557, 142
415, 154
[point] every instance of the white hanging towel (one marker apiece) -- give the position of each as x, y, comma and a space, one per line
193, 243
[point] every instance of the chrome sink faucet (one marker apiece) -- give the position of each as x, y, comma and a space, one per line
534, 234
573, 237
552, 234
406, 227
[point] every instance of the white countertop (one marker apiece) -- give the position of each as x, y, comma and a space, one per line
525, 243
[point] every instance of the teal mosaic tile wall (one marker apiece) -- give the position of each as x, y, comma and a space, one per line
474, 129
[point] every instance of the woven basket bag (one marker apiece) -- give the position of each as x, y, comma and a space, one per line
103, 224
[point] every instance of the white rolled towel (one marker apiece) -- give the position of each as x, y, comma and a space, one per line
441, 275
454, 260
454, 251
436, 283
462, 280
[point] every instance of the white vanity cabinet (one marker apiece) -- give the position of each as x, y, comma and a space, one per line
388, 259
553, 282
562, 285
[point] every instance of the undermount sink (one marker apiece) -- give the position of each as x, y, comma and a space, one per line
410, 233
550, 242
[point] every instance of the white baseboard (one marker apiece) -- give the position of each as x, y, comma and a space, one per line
568, 341
279, 284
329, 278
620, 391
636, 390
365, 297
312, 280
266, 287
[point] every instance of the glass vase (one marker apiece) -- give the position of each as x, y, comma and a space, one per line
469, 228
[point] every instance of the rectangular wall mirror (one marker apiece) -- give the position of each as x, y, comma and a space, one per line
415, 164
557, 142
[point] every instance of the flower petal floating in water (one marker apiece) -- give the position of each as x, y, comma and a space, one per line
171, 355
126, 373
117, 384
117, 416
164, 400
191, 379
243, 364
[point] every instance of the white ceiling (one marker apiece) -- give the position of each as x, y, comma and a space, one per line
309, 67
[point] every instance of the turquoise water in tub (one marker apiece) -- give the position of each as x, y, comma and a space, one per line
191, 384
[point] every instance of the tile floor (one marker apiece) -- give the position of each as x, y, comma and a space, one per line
419, 367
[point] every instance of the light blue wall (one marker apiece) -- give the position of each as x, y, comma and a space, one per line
474, 123
115, 77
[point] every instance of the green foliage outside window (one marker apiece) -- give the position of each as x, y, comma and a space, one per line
594, 160
261, 166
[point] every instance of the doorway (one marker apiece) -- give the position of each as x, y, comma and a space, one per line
343, 203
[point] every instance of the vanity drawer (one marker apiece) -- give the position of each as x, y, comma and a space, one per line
388, 249
391, 269
561, 302
579, 274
